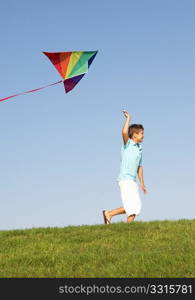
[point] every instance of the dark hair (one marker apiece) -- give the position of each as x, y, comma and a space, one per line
134, 128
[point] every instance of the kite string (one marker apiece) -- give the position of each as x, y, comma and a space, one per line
31, 91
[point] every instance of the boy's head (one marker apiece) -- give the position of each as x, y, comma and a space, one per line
136, 132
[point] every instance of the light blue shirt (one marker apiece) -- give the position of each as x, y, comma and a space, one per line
131, 159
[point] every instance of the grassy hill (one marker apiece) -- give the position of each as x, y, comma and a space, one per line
139, 249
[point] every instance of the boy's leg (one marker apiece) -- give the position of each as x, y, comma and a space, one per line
110, 213
130, 218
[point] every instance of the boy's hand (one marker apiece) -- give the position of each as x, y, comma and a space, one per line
126, 114
144, 188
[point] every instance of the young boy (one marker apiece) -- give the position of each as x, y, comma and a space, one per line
131, 165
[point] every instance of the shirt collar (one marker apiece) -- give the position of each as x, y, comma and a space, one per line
134, 143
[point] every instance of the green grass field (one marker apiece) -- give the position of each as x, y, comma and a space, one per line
138, 249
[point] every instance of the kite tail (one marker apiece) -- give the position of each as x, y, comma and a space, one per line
31, 91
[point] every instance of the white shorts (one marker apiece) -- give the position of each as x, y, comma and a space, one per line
130, 196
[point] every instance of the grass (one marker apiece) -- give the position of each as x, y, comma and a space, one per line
140, 249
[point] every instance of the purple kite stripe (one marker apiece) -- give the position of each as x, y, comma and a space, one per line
91, 59
70, 83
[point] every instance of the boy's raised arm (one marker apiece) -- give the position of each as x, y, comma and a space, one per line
126, 127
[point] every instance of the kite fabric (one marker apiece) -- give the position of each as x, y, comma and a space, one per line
72, 66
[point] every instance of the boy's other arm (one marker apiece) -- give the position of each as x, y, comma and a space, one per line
141, 178
125, 129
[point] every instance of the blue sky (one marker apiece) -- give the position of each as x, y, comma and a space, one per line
60, 153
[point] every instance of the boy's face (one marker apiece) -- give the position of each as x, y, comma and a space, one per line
139, 136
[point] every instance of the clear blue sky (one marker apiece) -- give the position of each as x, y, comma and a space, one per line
60, 153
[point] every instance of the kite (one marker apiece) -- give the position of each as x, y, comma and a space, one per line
72, 66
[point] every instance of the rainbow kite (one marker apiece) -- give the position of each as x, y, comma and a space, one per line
72, 66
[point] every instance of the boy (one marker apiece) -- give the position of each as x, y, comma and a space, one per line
131, 165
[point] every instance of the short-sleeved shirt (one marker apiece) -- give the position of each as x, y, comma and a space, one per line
131, 159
